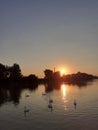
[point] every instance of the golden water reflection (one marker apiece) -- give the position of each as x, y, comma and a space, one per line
63, 90
64, 94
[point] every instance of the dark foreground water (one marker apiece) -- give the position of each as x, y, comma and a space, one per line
63, 116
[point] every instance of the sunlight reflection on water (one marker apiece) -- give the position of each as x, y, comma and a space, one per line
64, 94
40, 117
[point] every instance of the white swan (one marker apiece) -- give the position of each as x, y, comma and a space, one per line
50, 105
26, 109
75, 103
27, 95
43, 94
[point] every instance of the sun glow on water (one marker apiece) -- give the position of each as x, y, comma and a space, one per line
63, 90
64, 95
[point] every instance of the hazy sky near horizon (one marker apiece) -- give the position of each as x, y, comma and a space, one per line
40, 34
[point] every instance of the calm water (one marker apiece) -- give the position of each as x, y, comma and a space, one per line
63, 116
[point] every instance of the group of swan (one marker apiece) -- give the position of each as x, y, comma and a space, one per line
49, 105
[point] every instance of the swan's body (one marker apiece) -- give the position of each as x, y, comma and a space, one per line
50, 105
43, 94
27, 95
26, 109
75, 102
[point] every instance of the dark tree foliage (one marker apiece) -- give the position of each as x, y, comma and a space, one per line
32, 77
52, 76
79, 77
15, 71
48, 74
56, 75
10, 72
2, 71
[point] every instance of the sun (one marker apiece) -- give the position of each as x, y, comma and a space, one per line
63, 71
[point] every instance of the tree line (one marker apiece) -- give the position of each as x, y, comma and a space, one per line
14, 73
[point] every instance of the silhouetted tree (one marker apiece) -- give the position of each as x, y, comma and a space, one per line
32, 77
52, 77
79, 77
15, 71
56, 75
48, 74
2, 71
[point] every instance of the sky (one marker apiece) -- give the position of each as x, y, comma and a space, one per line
43, 34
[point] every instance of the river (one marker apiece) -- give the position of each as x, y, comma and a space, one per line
62, 115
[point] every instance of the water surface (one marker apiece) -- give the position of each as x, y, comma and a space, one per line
64, 115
